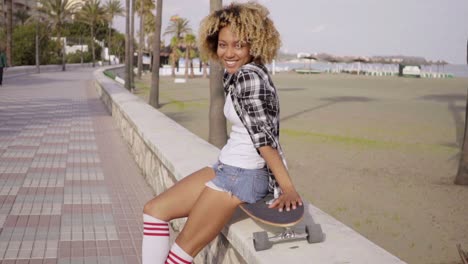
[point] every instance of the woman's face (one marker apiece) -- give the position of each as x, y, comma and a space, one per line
231, 52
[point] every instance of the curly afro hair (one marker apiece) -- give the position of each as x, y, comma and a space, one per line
249, 22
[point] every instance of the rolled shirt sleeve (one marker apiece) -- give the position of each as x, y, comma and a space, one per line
256, 105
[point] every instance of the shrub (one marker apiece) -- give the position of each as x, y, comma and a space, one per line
76, 57
24, 46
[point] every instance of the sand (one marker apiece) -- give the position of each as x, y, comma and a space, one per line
378, 153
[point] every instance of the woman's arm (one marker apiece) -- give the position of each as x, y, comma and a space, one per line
289, 197
251, 92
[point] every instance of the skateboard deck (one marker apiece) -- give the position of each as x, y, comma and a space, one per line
259, 211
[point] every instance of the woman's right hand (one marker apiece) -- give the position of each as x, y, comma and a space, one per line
287, 200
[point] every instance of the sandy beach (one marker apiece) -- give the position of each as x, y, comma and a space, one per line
378, 153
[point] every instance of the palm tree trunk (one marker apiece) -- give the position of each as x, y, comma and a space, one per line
64, 55
154, 93
81, 48
141, 40
192, 74
9, 31
59, 42
205, 70
218, 130
38, 69
462, 175
92, 45
37, 39
109, 40
187, 50
127, 44
132, 47
173, 64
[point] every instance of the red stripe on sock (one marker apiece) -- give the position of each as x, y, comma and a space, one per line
155, 234
178, 258
155, 224
170, 259
156, 228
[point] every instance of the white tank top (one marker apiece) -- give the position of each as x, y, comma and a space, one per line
239, 151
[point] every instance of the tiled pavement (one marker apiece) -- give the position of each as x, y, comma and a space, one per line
69, 190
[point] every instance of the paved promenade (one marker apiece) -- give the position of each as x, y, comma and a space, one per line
70, 191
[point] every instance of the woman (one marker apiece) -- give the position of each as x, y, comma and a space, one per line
3, 63
242, 38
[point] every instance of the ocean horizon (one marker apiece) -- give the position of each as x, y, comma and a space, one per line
457, 70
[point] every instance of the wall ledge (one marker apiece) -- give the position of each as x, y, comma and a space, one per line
177, 152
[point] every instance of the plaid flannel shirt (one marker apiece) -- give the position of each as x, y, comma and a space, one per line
256, 103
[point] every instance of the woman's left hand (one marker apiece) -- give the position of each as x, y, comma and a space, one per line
288, 199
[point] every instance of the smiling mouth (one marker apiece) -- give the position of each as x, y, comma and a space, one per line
230, 63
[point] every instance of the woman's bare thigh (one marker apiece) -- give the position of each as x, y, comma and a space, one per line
177, 201
209, 215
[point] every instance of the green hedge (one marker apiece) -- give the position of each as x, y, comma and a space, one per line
110, 74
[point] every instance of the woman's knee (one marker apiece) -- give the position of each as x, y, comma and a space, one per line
155, 208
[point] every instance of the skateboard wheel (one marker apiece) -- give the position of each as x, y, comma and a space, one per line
261, 241
314, 233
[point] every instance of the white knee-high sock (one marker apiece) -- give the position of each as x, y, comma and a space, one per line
155, 246
178, 256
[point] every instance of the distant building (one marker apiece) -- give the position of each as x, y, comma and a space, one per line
409, 70
18, 5
301, 55
21, 5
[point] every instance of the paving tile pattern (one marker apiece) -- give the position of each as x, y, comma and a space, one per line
70, 191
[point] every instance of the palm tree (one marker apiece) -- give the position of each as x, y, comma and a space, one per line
144, 8
22, 15
150, 20
462, 174
132, 44
81, 28
218, 130
176, 53
57, 12
127, 44
190, 44
141, 13
154, 93
178, 28
9, 30
204, 61
37, 20
113, 8
92, 14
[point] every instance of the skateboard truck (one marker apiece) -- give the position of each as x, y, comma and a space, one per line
313, 233
288, 220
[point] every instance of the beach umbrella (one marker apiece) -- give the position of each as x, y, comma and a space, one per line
440, 63
329, 58
359, 60
311, 58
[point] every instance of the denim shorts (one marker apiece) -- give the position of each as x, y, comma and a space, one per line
249, 185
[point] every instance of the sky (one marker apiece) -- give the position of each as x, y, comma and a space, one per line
433, 29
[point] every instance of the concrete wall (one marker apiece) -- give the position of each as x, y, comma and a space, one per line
166, 152
12, 72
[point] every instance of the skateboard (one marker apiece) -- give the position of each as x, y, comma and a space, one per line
260, 212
